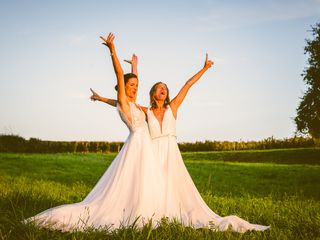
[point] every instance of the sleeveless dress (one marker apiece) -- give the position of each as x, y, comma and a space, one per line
182, 201
128, 192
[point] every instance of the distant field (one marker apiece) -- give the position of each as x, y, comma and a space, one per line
280, 188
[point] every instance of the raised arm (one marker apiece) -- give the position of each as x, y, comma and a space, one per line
134, 64
113, 102
134, 70
176, 102
121, 96
96, 97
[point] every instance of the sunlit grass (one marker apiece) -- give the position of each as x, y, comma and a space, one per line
285, 196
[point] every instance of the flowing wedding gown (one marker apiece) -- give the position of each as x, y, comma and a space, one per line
131, 188
182, 201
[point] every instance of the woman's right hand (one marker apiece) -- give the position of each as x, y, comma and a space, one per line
94, 96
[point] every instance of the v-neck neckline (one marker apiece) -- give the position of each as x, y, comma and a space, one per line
160, 125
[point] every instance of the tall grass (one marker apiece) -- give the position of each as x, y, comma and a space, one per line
285, 196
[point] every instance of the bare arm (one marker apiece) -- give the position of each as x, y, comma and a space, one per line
113, 102
121, 96
134, 64
96, 97
176, 102
144, 109
134, 70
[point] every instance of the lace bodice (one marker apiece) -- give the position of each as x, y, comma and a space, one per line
138, 118
168, 124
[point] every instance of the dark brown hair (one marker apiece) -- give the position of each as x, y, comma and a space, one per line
126, 77
152, 93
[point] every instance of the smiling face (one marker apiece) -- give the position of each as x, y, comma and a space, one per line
131, 87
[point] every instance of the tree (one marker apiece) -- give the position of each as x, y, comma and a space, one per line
308, 112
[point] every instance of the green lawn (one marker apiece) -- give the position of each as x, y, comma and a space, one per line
280, 188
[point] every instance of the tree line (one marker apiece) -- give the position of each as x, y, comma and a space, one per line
17, 144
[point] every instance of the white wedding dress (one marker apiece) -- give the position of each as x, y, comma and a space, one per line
181, 198
129, 191
138, 186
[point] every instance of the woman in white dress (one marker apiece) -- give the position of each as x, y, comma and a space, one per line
129, 192
181, 199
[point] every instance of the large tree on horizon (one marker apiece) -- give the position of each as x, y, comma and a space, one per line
308, 112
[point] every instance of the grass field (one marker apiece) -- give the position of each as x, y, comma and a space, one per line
280, 188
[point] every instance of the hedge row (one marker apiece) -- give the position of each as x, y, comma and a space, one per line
17, 144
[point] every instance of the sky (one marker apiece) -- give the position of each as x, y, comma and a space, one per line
51, 55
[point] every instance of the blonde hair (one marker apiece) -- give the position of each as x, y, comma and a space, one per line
152, 94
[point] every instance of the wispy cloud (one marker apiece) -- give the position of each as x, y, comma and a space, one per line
241, 15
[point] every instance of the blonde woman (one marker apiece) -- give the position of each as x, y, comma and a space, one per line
180, 197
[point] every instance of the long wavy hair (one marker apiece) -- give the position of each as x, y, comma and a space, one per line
152, 95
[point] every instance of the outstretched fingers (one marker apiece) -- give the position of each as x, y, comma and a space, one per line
110, 37
109, 40
103, 39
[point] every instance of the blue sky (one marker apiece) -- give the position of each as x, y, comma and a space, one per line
51, 55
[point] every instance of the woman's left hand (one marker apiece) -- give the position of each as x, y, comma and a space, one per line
134, 60
208, 63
